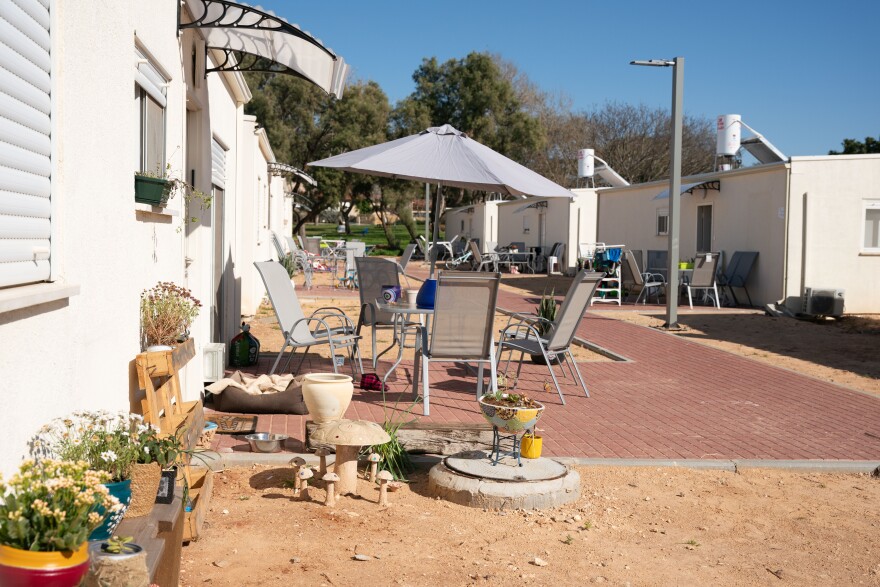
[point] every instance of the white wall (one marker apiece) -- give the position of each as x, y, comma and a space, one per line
826, 219
78, 353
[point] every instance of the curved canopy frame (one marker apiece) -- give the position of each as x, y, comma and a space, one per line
249, 37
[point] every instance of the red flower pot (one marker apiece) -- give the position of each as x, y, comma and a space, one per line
27, 568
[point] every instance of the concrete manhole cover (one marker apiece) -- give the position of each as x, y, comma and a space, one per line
477, 463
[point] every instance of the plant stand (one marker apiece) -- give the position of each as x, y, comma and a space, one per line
511, 441
162, 405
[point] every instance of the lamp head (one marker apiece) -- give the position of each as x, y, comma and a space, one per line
654, 63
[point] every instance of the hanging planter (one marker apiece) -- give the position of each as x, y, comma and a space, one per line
152, 190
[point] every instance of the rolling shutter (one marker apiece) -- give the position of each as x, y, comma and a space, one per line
25, 141
218, 164
149, 78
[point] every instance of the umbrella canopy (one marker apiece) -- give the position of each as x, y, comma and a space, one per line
447, 157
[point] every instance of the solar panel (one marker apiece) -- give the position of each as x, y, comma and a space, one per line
762, 150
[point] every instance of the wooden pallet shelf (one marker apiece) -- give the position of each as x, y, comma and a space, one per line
163, 406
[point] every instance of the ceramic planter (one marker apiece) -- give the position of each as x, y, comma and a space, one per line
121, 490
511, 420
26, 568
327, 395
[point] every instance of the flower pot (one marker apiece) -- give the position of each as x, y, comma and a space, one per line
121, 490
27, 568
327, 395
539, 359
152, 190
167, 485
144, 485
530, 446
511, 420
110, 568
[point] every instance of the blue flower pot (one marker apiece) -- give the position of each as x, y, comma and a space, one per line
427, 293
121, 490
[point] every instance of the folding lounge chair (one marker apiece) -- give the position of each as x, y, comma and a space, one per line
279, 246
646, 282
737, 273
705, 270
332, 326
373, 273
404, 261
483, 260
461, 329
521, 333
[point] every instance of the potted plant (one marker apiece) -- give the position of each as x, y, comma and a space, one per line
167, 311
156, 457
511, 413
158, 187
47, 511
546, 312
106, 442
117, 561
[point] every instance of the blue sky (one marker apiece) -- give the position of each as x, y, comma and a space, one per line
804, 74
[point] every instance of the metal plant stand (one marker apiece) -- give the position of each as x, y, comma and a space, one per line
511, 441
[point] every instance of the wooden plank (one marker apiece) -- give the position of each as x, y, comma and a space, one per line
432, 438
159, 534
200, 495
167, 363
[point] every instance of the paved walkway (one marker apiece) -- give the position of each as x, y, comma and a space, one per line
672, 399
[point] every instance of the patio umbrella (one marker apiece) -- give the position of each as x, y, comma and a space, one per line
447, 157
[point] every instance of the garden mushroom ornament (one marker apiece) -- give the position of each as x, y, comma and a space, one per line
374, 459
348, 436
384, 477
330, 479
322, 453
304, 475
297, 463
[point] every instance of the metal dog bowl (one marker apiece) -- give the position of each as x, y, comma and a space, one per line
266, 442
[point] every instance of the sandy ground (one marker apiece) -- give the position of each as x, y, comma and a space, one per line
631, 526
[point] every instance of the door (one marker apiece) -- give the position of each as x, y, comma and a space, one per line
704, 228
218, 268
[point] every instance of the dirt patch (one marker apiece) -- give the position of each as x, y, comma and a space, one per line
631, 526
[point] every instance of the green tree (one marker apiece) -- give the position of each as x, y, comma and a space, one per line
854, 147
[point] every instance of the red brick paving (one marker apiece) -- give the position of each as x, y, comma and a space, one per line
673, 399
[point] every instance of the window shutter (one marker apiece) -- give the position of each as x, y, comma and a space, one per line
25, 141
218, 164
149, 78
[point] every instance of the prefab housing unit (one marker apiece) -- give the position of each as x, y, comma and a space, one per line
814, 222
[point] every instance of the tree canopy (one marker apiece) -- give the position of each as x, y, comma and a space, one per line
854, 147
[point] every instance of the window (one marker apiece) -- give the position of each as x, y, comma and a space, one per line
26, 136
662, 221
150, 99
871, 238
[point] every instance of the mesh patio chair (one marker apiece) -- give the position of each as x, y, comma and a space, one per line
737, 274
705, 277
658, 263
331, 326
373, 273
645, 281
483, 260
531, 335
461, 328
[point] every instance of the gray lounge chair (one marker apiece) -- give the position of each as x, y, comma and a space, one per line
737, 274
461, 328
483, 260
332, 326
373, 273
521, 333
646, 282
705, 277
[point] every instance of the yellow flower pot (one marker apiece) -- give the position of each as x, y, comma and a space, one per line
26, 568
530, 446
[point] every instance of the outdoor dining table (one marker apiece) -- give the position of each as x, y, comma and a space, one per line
524, 258
445, 244
403, 313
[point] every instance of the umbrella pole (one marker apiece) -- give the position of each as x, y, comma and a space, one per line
427, 218
432, 251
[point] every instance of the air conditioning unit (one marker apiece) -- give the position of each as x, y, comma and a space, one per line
214, 356
823, 302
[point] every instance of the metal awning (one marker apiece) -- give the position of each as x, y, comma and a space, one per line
249, 37
285, 169
541, 204
688, 188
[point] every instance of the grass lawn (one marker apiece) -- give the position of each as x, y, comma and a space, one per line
374, 235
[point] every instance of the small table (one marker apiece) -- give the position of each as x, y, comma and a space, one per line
402, 312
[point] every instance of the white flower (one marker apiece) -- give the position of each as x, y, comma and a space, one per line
109, 455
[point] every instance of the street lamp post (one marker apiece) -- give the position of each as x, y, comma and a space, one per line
677, 66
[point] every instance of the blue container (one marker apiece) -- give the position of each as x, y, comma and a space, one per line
121, 490
427, 293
